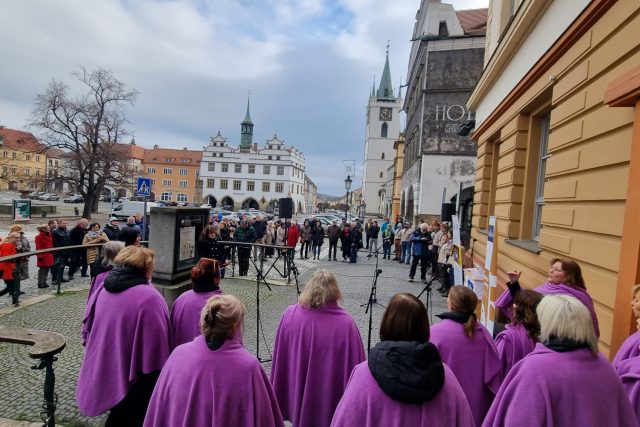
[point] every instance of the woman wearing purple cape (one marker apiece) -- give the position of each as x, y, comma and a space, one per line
468, 349
627, 360
565, 278
213, 380
317, 345
404, 382
521, 335
128, 344
185, 312
564, 381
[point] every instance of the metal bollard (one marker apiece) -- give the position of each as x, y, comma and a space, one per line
76, 211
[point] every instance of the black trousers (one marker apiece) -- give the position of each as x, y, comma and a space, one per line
78, 262
304, 246
243, 261
13, 288
424, 263
131, 410
333, 247
58, 268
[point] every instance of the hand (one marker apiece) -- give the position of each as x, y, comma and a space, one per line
514, 275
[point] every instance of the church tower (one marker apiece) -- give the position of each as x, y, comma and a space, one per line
383, 129
246, 132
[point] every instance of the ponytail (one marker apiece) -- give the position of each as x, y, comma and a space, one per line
470, 325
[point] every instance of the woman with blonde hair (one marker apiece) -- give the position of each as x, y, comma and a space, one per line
404, 382
564, 278
317, 345
128, 342
212, 380
185, 312
23, 246
44, 261
565, 381
94, 235
468, 349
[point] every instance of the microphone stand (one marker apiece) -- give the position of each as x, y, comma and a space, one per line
372, 297
428, 290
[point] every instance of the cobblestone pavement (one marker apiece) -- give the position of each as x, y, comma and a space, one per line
21, 387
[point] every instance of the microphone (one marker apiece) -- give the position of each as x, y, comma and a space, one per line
378, 271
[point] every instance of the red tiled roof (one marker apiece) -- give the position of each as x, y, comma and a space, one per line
158, 155
20, 140
473, 21
136, 151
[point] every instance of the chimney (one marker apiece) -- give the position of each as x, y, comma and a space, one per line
184, 148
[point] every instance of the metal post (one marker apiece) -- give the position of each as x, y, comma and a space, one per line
144, 220
50, 398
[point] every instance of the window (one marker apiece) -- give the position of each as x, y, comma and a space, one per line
167, 171
266, 187
182, 198
382, 157
184, 161
266, 170
380, 174
383, 132
237, 184
443, 31
225, 167
211, 167
5, 155
13, 155
151, 170
279, 187
220, 154
183, 183
13, 171
165, 197
27, 157
153, 181
211, 183
184, 172
166, 182
238, 168
56, 163
224, 184
542, 166
270, 157
37, 172
37, 158
252, 168
277, 157
280, 170
27, 172
251, 185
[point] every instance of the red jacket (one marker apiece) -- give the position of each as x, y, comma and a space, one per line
293, 236
7, 267
44, 241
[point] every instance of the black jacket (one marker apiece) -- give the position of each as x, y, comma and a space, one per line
260, 227
407, 371
210, 248
111, 232
76, 235
60, 237
317, 236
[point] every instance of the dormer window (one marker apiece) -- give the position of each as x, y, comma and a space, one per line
443, 31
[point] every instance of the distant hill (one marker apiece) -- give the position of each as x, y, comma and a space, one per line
328, 197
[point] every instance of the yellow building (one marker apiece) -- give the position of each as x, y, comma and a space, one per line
555, 163
398, 163
22, 161
173, 173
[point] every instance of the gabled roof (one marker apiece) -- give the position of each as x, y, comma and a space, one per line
135, 151
385, 91
158, 155
21, 141
473, 21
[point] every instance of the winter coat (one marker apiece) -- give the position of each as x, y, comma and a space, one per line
293, 236
210, 248
44, 241
373, 231
345, 237
420, 242
305, 233
111, 232
7, 267
333, 231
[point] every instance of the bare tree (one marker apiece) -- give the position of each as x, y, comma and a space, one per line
89, 128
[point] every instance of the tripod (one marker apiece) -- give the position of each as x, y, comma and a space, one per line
372, 297
259, 277
428, 290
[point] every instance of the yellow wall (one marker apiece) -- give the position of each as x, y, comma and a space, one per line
22, 167
586, 176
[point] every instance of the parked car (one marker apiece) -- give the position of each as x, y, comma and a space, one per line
75, 198
35, 194
129, 208
206, 205
49, 197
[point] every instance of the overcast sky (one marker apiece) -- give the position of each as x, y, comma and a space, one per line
309, 65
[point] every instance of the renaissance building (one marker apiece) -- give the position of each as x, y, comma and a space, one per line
249, 176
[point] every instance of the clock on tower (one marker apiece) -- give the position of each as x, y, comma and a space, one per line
385, 114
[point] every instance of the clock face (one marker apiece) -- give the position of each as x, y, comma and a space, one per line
385, 114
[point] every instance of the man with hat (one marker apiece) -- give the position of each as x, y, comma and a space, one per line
111, 229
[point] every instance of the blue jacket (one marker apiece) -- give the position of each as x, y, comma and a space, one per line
420, 242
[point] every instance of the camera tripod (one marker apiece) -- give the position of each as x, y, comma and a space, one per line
372, 297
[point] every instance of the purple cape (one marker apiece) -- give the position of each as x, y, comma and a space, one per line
474, 361
201, 387
629, 372
130, 334
314, 353
87, 320
505, 302
185, 315
513, 344
97, 282
630, 348
365, 404
548, 388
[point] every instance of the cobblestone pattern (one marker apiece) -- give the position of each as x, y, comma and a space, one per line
21, 387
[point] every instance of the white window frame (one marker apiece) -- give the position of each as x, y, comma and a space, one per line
167, 171
211, 183
540, 177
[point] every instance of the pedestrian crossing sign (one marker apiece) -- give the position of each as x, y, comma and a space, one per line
143, 188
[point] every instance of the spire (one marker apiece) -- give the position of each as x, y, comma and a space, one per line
385, 90
373, 88
247, 117
246, 130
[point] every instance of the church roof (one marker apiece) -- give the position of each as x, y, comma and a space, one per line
385, 90
247, 117
473, 21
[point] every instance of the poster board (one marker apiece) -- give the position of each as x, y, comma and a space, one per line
457, 260
21, 210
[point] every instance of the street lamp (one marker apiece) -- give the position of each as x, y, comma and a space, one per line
347, 185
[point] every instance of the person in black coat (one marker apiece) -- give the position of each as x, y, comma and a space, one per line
210, 246
111, 229
317, 238
345, 242
78, 256
356, 242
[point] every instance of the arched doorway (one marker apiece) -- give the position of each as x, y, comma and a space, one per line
227, 203
250, 203
212, 201
410, 205
299, 210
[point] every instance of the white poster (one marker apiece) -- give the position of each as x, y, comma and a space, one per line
457, 275
490, 240
187, 243
455, 224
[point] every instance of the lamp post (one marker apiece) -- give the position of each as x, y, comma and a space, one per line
347, 185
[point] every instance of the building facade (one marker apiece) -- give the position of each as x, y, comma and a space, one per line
23, 160
310, 196
383, 128
558, 134
173, 173
444, 65
250, 176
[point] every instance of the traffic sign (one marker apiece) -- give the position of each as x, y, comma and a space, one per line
143, 188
